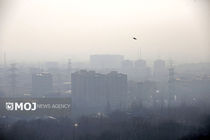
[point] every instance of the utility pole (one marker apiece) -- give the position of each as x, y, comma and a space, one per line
171, 88
13, 78
69, 70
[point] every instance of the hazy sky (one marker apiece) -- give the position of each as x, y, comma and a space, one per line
39, 30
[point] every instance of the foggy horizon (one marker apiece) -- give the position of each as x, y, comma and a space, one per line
104, 69
53, 30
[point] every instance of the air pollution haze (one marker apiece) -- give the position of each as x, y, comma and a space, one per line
104, 69
44, 30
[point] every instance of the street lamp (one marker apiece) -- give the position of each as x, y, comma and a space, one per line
157, 91
75, 125
74, 131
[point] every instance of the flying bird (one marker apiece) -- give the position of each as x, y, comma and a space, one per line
134, 38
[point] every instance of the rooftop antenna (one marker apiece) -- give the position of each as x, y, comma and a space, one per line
134, 38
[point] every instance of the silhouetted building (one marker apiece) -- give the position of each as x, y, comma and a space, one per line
159, 70
141, 71
51, 65
92, 91
140, 63
106, 61
192, 91
127, 65
143, 93
42, 84
117, 89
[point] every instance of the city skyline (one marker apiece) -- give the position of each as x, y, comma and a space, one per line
104, 69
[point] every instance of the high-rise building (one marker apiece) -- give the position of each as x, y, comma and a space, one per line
116, 89
51, 65
127, 68
42, 84
92, 91
127, 65
141, 71
140, 63
159, 70
106, 61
